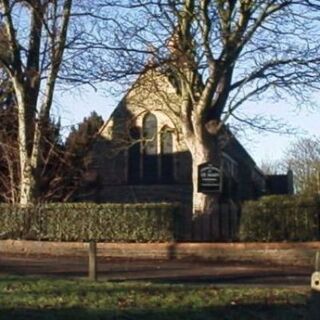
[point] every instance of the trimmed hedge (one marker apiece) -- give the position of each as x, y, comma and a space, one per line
87, 221
281, 218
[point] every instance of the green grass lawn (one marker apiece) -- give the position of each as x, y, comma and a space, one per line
39, 298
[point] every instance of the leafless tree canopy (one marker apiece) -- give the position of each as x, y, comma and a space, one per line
303, 157
45, 44
218, 53
233, 51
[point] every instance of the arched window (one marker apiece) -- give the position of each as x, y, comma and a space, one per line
150, 152
150, 158
167, 172
134, 157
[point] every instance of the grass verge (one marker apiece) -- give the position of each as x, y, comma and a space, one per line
50, 299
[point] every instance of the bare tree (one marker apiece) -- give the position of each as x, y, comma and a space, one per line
9, 166
303, 157
45, 45
221, 54
53, 165
35, 35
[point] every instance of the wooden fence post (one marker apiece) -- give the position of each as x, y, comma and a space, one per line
92, 261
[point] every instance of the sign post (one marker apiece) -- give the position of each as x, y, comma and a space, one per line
209, 178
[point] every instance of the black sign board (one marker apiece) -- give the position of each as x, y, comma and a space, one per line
209, 178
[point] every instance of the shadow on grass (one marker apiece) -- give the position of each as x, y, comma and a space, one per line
274, 278
52, 299
238, 312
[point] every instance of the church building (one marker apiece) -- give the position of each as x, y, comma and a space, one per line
141, 156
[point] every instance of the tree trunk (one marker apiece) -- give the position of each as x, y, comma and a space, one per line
27, 183
25, 137
205, 205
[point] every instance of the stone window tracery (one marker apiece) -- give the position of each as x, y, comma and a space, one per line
150, 152
151, 159
166, 153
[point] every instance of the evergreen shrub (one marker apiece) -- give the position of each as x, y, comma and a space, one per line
150, 222
281, 218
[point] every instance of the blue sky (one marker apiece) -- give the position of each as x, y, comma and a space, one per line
264, 146
73, 106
